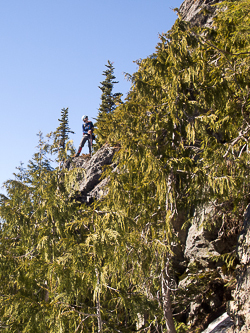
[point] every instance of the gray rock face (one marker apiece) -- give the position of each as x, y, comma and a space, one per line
196, 244
90, 185
223, 324
239, 308
198, 247
194, 12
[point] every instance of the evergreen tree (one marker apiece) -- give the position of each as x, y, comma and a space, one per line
46, 269
184, 138
109, 102
183, 134
61, 143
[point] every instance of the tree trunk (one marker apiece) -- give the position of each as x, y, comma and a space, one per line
166, 300
98, 305
99, 318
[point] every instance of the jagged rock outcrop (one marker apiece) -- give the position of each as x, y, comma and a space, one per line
239, 308
198, 12
198, 247
90, 185
223, 324
197, 244
237, 320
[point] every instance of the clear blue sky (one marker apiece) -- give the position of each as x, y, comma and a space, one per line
53, 54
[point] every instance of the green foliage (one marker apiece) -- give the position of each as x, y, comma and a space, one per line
229, 261
39, 276
183, 134
61, 143
181, 327
109, 102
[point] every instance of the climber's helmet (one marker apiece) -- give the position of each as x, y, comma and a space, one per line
84, 117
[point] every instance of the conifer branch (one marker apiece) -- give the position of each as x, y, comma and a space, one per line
241, 135
25, 255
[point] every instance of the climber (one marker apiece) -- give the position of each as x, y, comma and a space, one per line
87, 128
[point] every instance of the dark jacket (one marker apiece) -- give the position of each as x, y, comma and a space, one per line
87, 126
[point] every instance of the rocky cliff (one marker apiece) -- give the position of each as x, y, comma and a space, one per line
201, 245
227, 304
198, 246
198, 12
239, 307
91, 186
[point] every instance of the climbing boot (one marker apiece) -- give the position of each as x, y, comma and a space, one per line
78, 153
